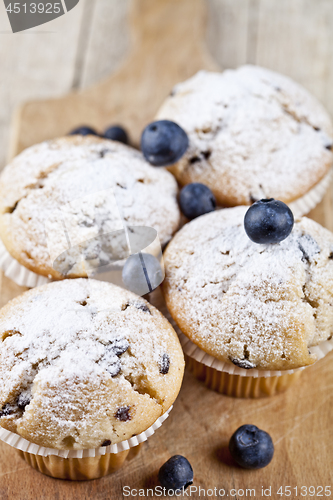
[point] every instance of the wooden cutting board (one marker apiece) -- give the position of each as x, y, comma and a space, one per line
199, 427
168, 47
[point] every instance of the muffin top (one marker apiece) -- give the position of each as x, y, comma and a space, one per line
62, 197
84, 363
253, 134
257, 306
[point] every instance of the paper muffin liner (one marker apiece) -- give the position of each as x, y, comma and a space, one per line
18, 273
24, 277
238, 382
79, 469
24, 445
306, 203
80, 465
240, 386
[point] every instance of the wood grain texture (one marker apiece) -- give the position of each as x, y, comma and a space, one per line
108, 42
292, 37
295, 38
35, 64
200, 426
227, 32
165, 50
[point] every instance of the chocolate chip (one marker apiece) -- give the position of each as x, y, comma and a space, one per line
308, 246
206, 154
107, 442
87, 223
317, 129
6, 410
23, 400
119, 346
164, 364
329, 147
103, 152
110, 360
114, 368
122, 414
143, 307
242, 363
331, 256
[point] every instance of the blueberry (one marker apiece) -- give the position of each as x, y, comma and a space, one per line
84, 130
268, 221
196, 199
163, 143
176, 473
251, 447
142, 273
116, 133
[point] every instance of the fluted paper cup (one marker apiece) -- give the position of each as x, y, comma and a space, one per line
80, 465
231, 380
310, 200
18, 273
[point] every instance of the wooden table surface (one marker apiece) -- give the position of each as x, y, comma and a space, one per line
89, 43
292, 37
199, 427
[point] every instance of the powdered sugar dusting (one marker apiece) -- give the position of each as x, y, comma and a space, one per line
247, 303
253, 134
87, 186
73, 354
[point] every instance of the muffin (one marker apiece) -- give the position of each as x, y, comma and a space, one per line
85, 368
250, 314
66, 202
253, 134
